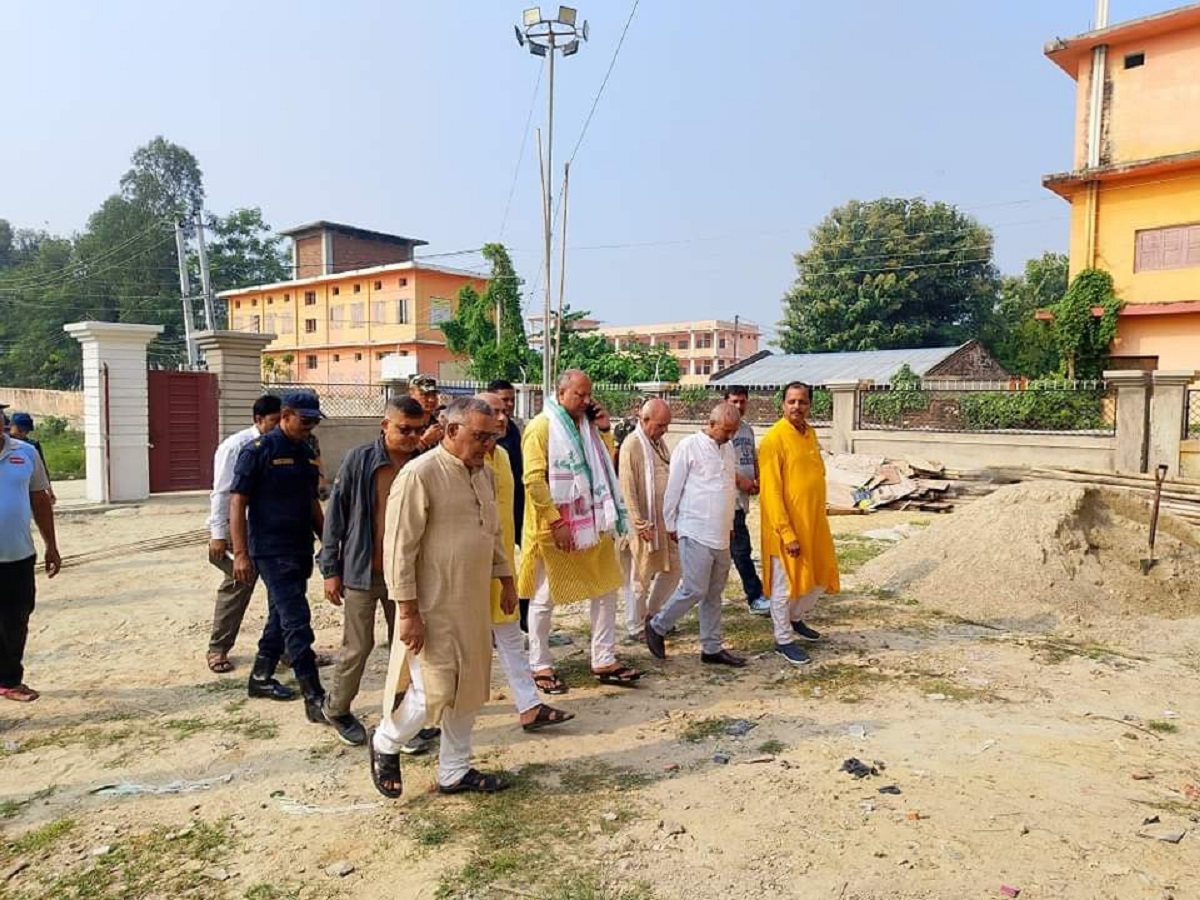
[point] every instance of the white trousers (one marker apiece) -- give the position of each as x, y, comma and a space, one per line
541, 611
397, 729
785, 611
510, 649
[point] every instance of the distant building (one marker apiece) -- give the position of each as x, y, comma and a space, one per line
966, 362
359, 297
704, 348
1134, 187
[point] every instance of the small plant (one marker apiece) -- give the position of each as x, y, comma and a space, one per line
1162, 727
772, 747
702, 729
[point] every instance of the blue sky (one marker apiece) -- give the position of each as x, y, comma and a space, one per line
726, 131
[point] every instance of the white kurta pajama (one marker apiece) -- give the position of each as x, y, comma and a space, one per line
441, 519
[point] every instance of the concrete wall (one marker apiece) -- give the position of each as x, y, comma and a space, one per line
39, 404
976, 451
1189, 460
339, 436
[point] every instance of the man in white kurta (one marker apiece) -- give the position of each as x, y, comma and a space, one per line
442, 548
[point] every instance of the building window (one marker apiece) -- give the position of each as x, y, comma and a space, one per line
358, 288
310, 326
1177, 247
356, 315
721, 344
310, 298
310, 361
358, 357
706, 367
403, 282
379, 356
379, 311
402, 312
379, 285
270, 301
237, 304
337, 357
287, 298
254, 302
337, 291
1134, 60
285, 325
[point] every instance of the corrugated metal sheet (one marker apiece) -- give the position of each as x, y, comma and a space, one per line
823, 368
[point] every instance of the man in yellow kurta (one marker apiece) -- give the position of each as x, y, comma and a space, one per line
644, 470
442, 548
799, 563
573, 513
506, 626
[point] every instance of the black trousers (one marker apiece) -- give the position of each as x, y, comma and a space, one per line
16, 606
289, 619
739, 549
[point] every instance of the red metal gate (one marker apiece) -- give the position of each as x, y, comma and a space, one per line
183, 430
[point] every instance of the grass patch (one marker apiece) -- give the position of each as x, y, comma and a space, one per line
39, 840
772, 747
1053, 651
699, 730
11, 808
432, 830
264, 891
65, 458
154, 863
843, 681
1162, 727
99, 738
587, 884
853, 551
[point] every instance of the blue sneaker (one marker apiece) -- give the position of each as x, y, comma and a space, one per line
793, 654
803, 631
760, 606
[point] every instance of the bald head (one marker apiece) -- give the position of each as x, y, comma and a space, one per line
496, 402
723, 422
655, 417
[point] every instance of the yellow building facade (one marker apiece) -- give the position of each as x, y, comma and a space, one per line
1134, 188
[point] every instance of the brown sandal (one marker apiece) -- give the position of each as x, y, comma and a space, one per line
550, 684
219, 662
547, 716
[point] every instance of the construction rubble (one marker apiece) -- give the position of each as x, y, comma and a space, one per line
857, 483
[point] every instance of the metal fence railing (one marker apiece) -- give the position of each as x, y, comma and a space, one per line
1081, 407
1191, 419
339, 400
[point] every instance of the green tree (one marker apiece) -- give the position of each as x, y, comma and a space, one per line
1021, 343
164, 179
1082, 337
245, 250
595, 354
472, 331
890, 273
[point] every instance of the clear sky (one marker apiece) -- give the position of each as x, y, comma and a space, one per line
726, 131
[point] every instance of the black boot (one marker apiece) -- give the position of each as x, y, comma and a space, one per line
262, 682
314, 697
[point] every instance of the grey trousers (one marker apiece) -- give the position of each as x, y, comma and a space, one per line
358, 640
232, 599
705, 572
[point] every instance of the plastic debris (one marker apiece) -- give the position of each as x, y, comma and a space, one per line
1007, 890
889, 789
721, 759
560, 639
131, 789
740, 728
859, 769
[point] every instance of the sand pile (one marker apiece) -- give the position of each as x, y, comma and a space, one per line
1032, 555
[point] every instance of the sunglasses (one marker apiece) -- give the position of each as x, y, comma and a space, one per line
310, 420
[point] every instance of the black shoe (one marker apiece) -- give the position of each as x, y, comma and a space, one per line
655, 642
349, 729
262, 683
723, 658
793, 654
314, 698
805, 632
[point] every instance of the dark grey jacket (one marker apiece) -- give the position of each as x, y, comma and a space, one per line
348, 541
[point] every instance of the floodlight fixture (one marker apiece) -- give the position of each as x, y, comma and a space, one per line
520, 35
567, 15
571, 48
585, 30
538, 49
532, 16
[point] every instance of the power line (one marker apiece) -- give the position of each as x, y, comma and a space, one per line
512, 188
603, 84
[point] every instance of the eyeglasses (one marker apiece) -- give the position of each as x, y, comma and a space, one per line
485, 437
310, 420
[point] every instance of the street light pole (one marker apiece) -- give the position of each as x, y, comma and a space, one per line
544, 36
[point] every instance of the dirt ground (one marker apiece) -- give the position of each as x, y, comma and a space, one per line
1022, 759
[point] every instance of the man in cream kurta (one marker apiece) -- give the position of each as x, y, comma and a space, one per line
441, 519
554, 567
644, 470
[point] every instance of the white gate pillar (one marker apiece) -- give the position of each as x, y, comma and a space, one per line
116, 413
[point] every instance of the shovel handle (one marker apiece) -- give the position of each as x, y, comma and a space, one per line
1160, 475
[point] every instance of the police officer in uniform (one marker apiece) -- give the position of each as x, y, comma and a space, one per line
274, 517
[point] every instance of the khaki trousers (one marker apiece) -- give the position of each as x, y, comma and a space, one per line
232, 599
358, 640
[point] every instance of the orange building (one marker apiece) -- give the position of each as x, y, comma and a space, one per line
1134, 188
704, 347
360, 297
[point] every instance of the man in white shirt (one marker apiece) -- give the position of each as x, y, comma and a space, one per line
698, 509
232, 596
